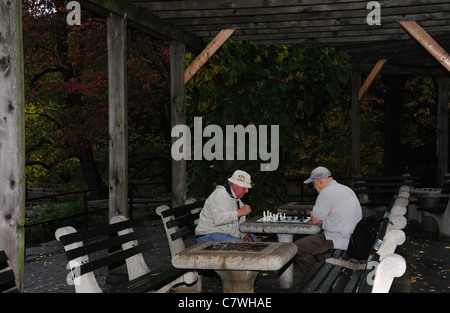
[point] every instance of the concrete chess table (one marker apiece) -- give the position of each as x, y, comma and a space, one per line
236, 263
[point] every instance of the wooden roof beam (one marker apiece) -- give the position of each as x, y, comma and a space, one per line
207, 54
369, 80
427, 42
144, 21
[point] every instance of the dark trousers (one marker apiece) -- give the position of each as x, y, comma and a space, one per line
310, 250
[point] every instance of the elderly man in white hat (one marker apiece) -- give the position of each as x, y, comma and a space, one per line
224, 211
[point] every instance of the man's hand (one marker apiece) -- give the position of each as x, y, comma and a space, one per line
247, 238
245, 210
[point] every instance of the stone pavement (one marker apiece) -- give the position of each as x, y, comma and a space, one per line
46, 272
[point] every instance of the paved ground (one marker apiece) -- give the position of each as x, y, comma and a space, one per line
46, 272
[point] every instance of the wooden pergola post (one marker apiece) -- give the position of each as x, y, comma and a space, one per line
12, 137
356, 124
178, 116
118, 113
442, 131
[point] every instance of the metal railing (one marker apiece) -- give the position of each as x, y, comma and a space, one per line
132, 201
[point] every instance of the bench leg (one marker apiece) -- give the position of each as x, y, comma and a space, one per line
86, 283
188, 278
237, 281
195, 288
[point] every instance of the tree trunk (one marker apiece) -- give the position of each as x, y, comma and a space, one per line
91, 172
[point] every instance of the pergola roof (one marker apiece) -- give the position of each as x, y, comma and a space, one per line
306, 23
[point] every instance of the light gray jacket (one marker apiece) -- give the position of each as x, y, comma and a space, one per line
219, 214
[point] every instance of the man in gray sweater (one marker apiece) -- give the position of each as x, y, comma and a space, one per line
337, 210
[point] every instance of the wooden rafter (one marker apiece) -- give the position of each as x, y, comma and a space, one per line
369, 80
144, 20
207, 53
427, 42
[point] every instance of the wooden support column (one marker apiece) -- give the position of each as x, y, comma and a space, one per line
369, 80
442, 131
12, 137
356, 124
178, 116
207, 53
118, 112
394, 104
427, 42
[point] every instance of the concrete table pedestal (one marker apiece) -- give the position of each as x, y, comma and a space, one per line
285, 232
237, 281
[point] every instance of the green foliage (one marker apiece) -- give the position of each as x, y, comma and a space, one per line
66, 99
245, 83
57, 212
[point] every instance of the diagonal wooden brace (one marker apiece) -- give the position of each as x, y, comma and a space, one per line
369, 80
427, 42
207, 53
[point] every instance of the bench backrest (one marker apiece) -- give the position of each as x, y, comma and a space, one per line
381, 188
7, 277
108, 246
179, 222
388, 237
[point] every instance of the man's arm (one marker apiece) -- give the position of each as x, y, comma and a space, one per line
315, 220
245, 210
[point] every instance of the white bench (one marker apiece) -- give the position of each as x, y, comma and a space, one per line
127, 244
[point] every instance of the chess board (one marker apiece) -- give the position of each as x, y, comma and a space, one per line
285, 220
237, 246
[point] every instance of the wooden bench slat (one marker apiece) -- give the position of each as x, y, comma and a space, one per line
116, 241
329, 282
182, 209
354, 281
343, 281
383, 185
307, 278
183, 221
318, 278
100, 231
386, 178
183, 232
7, 280
113, 258
3, 258
376, 192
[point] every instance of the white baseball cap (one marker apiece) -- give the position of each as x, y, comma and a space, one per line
241, 178
318, 172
